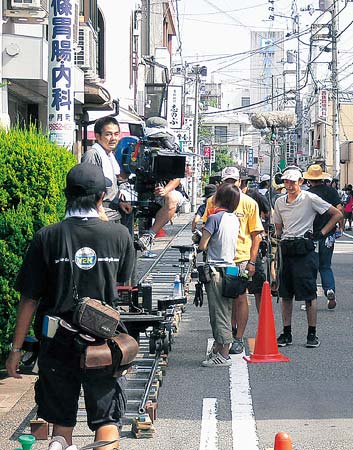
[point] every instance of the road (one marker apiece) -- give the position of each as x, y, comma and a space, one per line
310, 397
243, 407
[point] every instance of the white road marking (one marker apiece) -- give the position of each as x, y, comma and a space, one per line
243, 419
208, 439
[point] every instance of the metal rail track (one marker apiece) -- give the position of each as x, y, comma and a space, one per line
145, 377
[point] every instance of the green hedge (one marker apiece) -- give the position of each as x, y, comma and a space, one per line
32, 179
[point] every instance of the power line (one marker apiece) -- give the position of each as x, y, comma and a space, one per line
222, 12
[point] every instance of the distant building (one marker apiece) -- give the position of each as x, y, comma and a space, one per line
229, 131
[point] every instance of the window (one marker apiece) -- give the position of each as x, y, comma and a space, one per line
245, 101
220, 134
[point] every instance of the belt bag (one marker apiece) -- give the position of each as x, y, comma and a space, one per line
119, 352
297, 247
97, 356
96, 317
124, 349
233, 286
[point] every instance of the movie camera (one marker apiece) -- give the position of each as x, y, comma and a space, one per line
148, 161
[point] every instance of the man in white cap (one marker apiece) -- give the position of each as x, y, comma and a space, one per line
247, 250
294, 215
317, 179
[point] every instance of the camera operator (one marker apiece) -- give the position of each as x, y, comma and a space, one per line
107, 131
169, 195
103, 254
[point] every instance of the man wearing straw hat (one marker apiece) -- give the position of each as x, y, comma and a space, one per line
316, 177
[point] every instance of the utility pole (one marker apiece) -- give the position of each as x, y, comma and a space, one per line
196, 70
335, 92
298, 106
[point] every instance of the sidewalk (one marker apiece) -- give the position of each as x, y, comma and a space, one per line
17, 405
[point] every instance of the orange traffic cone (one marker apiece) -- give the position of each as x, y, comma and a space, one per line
161, 233
283, 441
266, 348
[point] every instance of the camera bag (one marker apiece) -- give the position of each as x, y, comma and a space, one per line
96, 317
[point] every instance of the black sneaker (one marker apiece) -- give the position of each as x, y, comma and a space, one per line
284, 339
312, 341
237, 346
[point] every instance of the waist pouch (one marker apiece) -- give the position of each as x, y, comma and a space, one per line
297, 247
204, 273
233, 286
96, 356
124, 349
96, 318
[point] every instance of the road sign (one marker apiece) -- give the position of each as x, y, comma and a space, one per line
250, 157
207, 151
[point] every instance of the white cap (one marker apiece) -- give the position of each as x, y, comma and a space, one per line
230, 172
265, 177
292, 175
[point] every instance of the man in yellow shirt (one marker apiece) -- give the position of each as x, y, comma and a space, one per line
247, 249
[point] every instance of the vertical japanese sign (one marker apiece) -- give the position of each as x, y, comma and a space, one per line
250, 157
174, 106
61, 123
323, 104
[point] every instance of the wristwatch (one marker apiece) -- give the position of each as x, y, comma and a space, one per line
15, 349
252, 263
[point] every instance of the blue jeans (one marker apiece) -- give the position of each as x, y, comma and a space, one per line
326, 274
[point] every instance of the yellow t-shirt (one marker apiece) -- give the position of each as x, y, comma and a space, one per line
249, 221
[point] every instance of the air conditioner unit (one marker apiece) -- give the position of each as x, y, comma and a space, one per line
27, 4
86, 58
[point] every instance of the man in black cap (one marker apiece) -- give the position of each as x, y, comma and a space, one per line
103, 255
210, 189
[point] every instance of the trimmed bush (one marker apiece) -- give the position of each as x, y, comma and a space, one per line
32, 179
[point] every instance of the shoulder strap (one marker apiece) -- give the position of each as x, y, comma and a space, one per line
68, 242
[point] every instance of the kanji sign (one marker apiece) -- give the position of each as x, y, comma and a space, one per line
174, 108
207, 151
250, 157
61, 123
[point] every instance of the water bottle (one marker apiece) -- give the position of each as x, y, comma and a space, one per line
177, 292
338, 234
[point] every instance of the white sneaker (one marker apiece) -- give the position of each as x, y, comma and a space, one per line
331, 297
58, 443
217, 360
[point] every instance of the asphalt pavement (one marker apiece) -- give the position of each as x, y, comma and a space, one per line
310, 397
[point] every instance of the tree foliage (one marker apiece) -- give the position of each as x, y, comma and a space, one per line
32, 179
222, 159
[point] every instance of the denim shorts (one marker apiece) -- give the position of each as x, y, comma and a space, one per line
58, 388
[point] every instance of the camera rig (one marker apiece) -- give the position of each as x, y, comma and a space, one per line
152, 161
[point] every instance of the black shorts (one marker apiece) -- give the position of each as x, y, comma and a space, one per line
257, 280
298, 277
58, 389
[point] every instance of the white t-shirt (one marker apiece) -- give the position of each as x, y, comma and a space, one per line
298, 217
224, 228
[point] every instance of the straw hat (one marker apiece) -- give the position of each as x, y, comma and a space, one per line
315, 172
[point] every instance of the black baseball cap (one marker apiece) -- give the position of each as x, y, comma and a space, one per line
210, 189
86, 179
